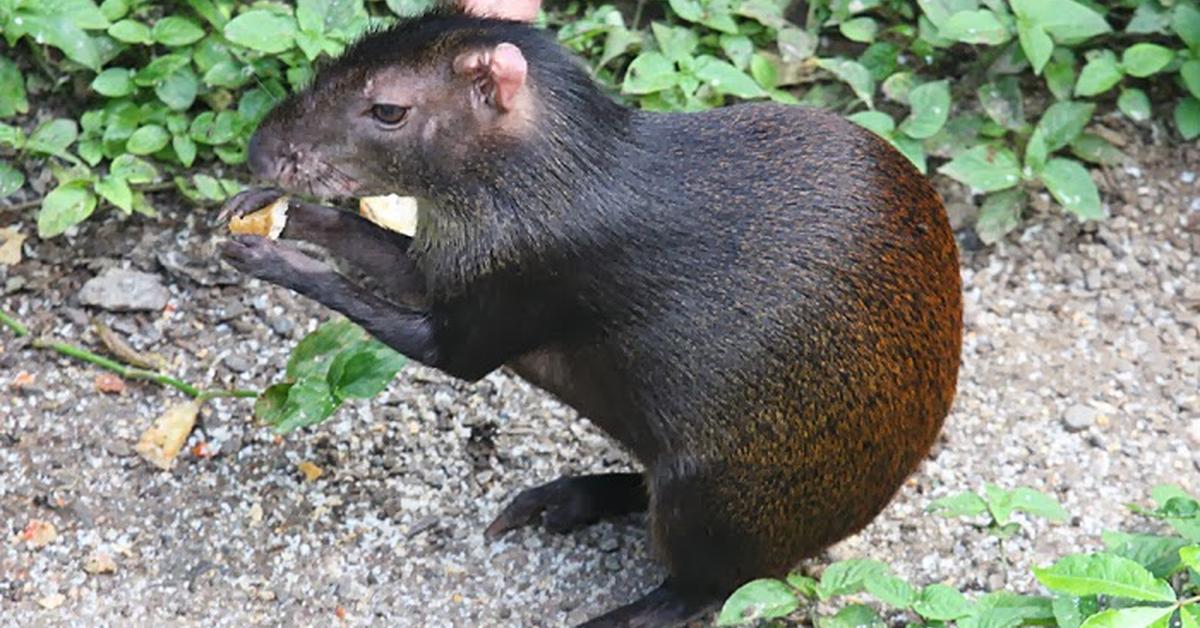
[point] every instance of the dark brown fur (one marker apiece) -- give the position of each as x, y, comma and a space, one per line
761, 302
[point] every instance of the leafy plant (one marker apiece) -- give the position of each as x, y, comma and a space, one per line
338, 361
1000, 504
1140, 580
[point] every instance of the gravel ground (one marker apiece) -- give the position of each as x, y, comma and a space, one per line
1080, 372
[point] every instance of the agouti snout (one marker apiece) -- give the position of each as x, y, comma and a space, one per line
762, 303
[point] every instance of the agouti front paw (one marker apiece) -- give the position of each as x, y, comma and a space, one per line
271, 261
248, 201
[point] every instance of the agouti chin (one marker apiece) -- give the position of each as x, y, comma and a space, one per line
761, 303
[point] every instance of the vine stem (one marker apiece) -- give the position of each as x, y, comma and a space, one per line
124, 370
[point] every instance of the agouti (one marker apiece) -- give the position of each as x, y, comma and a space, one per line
762, 303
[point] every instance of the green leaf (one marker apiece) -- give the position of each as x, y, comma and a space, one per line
60, 31
738, 49
975, 27
1099, 75
1190, 557
313, 355
930, 104
1063, 122
185, 149
984, 168
1186, 22
764, 71
1002, 100
178, 90
942, 603
723, 77
135, 170
877, 122
914, 150
1103, 574
114, 82
160, 68
648, 73
688, 10
1142, 60
1187, 118
11, 136
1158, 554
64, 207
890, 590
1190, 73
131, 32
1067, 21
1002, 608
147, 140
1060, 74
211, 190
803, 585
1035, 42
1028, 500
262, 31
13, 99
1000, 214
1073, 188
1189, 616
363, 370
116, 191
53, 137
860, 29
847, 576
675, 42
852, 616
114, 9
176, 31
758, 599
1070, 611
11, 179
1134, 617
965, 504
308, 402
853, 74
1094, 149
1135, 104
796, 44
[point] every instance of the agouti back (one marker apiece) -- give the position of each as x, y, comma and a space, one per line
762, 303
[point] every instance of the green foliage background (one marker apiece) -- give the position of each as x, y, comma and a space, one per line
996, 94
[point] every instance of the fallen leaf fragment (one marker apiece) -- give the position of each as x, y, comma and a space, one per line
118, 347
52, 601
311, 471
99, 563
161, 442
110, 384
38, 533
22, 380
10, 250
255, 515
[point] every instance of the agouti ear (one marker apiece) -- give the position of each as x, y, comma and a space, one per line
498, 73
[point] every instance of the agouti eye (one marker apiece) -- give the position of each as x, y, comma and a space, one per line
389, 115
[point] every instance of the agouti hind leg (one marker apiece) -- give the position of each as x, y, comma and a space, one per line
570, 503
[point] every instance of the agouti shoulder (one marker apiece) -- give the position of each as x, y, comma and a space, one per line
762, 303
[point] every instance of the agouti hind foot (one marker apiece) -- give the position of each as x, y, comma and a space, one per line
570, 503
661, 608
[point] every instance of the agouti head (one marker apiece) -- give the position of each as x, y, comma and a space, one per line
442, 102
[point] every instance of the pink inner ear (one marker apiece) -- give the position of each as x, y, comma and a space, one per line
501, 70
507, 69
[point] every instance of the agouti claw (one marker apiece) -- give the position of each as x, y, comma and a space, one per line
248, 201
570, 503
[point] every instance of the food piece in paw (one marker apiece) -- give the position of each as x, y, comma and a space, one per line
267, 222
397, 213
